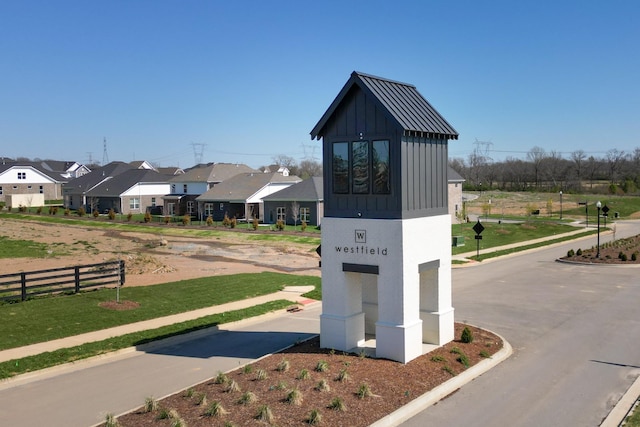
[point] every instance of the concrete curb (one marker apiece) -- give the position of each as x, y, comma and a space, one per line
623, 406
440, 392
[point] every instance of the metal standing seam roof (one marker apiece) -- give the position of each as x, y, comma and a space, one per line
404, 103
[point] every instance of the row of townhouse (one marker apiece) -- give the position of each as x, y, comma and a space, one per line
215, 189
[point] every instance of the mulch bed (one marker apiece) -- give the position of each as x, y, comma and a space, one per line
617, 252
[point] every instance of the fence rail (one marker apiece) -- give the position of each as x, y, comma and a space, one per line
65, 279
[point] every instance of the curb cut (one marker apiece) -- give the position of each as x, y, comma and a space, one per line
443, 390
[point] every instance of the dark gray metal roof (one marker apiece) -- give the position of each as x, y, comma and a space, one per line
404, 103
120, 183
453, 176
242, 186
309, 190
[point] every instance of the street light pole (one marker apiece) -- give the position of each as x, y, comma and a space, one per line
560, 204
599, 206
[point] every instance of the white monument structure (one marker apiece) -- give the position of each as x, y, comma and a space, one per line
386, 231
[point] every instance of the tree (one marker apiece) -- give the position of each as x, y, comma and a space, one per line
295, 213
536, 155
615, 159
578, 158
309, 168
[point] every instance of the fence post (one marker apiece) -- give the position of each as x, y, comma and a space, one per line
121, 272
23, 280
77, 277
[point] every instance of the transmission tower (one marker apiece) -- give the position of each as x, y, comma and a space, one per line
309, 152
105, 155
483, 149
198, 151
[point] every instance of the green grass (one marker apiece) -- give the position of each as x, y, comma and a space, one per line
56, 317
49, 359
496, 234
633, 420
22, 249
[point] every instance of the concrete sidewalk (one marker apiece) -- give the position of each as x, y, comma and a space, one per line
291, 293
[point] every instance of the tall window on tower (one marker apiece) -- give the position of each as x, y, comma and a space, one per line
341, 167
361, 167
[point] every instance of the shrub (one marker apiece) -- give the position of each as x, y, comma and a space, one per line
303, 226
232, 386
186, 219
150, 404
264, 414
39, 210
67, 211
485, 354
226, 222
129, 216
209, 220
110, 421
261, 374
467, 335
112, 214
322, 366
455, 350
147, 217
622, 256
571, 253
247, 397
579, 252
437, 359
323, 385
294, 397
315, 417
303, 375
255, 223
167, 219
279, 225
448, 370
337, 404
364, 391
95, 213
464, 360
215, 409
634, 256
283, 366
221, 378
81, 211
343, 376
233, 223
247, 369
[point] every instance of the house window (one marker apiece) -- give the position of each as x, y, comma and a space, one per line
281, 213
41, 189
184, 188
1, 190
208, 209
190, 207
22, 175
221, 206
134, 203
29, 187
15, 187
305, 214
173, 188
361, 167
153, 202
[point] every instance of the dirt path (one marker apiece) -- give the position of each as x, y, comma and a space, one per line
152, 259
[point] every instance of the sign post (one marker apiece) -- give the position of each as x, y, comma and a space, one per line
478, 228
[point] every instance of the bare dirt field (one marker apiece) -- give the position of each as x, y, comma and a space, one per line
151, 258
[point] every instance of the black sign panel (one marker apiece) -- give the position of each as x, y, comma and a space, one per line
478, 228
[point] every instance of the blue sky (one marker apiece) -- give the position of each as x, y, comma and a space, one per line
250, 79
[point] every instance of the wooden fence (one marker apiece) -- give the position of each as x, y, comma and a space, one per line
56, 280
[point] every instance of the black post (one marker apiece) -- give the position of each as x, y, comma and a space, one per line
586, 212
598, 205
23, 280
77, 278
560, 205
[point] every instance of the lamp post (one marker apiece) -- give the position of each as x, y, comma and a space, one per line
599, 206
560, 204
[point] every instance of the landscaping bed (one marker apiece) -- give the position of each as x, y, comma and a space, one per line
622, 251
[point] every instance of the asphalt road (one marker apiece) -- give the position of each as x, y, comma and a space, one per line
574, 330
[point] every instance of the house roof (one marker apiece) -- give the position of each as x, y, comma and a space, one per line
404, 104
453, 176
54, 176
118, 184
243, 186
309, 190
93, 178
213, 173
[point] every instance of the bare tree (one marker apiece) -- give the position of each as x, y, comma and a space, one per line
295, 213
615, 159
578, 158
536, 155
309, 168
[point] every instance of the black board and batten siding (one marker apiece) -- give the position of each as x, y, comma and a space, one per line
371, 109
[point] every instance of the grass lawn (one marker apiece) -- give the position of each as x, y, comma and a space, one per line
51, 318
22, 248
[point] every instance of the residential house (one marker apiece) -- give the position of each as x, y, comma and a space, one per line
186, 187
25, 178
132, 191
75, 192
454, 183
241, 196
303, 201
66, 169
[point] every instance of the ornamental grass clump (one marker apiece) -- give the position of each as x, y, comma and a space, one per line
364, 391
315, 417
294, 397
247, 397
283, 366
150, 404
265, 414
215, 409
337, 404
322, 366
303, 375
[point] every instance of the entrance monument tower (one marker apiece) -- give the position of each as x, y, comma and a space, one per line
386, 231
